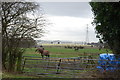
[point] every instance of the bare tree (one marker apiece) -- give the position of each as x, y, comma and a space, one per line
19, 22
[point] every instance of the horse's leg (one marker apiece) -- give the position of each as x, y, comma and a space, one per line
48, 56
42, 56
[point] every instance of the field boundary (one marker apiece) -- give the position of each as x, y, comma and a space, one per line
59, 67
55, 65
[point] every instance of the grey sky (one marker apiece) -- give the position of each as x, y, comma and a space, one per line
69, 20
74, 9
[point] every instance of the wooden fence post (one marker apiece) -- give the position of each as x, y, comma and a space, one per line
68, 60
58, 66
47, 64
24, 64
74, 66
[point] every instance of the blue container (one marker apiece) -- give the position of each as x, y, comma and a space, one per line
108, 62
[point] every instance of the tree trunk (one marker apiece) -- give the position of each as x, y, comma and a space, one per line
12, 61
116, 47
19, 62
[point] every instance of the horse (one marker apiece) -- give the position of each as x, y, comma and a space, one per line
43, 52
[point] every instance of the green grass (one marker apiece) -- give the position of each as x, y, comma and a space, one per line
60, 52
63, 52
15, 75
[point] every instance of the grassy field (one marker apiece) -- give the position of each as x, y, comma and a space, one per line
15, 75
66, 53
59, 52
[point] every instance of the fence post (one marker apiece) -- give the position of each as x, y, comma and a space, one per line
47, 64
68, 60
74, 66
58, 66
24, 64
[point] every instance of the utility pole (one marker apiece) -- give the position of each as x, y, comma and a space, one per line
87, 37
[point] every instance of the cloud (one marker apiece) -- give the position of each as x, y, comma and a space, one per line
69, 28
74, 9
69, 21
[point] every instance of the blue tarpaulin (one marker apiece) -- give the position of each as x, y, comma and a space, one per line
108, 62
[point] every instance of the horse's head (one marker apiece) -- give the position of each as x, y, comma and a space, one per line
40, 50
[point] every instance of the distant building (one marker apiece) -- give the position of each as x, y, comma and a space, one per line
57, 42
39, 42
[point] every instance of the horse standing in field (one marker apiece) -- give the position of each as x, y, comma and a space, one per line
43, 52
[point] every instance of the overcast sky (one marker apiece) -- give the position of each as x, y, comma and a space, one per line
69, 21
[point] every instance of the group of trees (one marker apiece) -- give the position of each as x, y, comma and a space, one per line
20, 20
107, 22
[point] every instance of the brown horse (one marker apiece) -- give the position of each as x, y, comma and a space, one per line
43, 52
